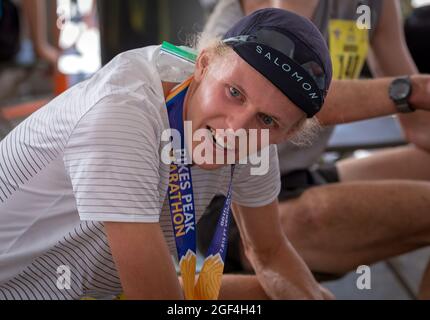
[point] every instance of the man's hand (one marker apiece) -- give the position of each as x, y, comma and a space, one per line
416, 127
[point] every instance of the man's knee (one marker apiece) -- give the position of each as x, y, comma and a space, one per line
307, 214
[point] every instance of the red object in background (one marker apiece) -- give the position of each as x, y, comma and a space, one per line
21, 110
61, 82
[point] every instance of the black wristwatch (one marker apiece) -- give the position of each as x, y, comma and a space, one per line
400, 90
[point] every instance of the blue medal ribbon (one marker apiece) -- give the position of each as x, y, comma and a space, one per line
182, 210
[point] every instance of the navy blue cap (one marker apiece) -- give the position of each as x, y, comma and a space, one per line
289, 51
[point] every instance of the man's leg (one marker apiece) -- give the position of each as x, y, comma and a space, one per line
241, 287
408, 163
339, 226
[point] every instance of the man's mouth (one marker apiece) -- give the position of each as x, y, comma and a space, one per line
221, 140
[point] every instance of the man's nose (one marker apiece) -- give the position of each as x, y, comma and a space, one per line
240, 119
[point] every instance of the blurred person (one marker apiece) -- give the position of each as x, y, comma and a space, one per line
35, 13
367, 209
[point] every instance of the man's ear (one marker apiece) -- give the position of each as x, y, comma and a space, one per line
202, 65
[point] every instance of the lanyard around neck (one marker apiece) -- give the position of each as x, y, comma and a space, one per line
182, 210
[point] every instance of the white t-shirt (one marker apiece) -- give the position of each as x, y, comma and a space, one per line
93, 155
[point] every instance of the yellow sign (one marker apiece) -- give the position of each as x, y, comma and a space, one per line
349, 46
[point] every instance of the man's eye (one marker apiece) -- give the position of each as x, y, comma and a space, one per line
267, 120
234, 92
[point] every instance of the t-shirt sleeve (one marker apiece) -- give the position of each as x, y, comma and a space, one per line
255, 190
112, 158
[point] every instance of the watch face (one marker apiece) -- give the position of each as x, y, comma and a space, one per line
400, 89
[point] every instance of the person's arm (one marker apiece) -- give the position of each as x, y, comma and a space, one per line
280, 270
353, 100
35, 13
143, 261
391, 57
112, 159
388, 45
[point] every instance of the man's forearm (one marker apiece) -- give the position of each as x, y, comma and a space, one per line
146, 271
354, 100
283, 274
280, 270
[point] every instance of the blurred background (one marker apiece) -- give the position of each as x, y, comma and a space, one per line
47, 46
